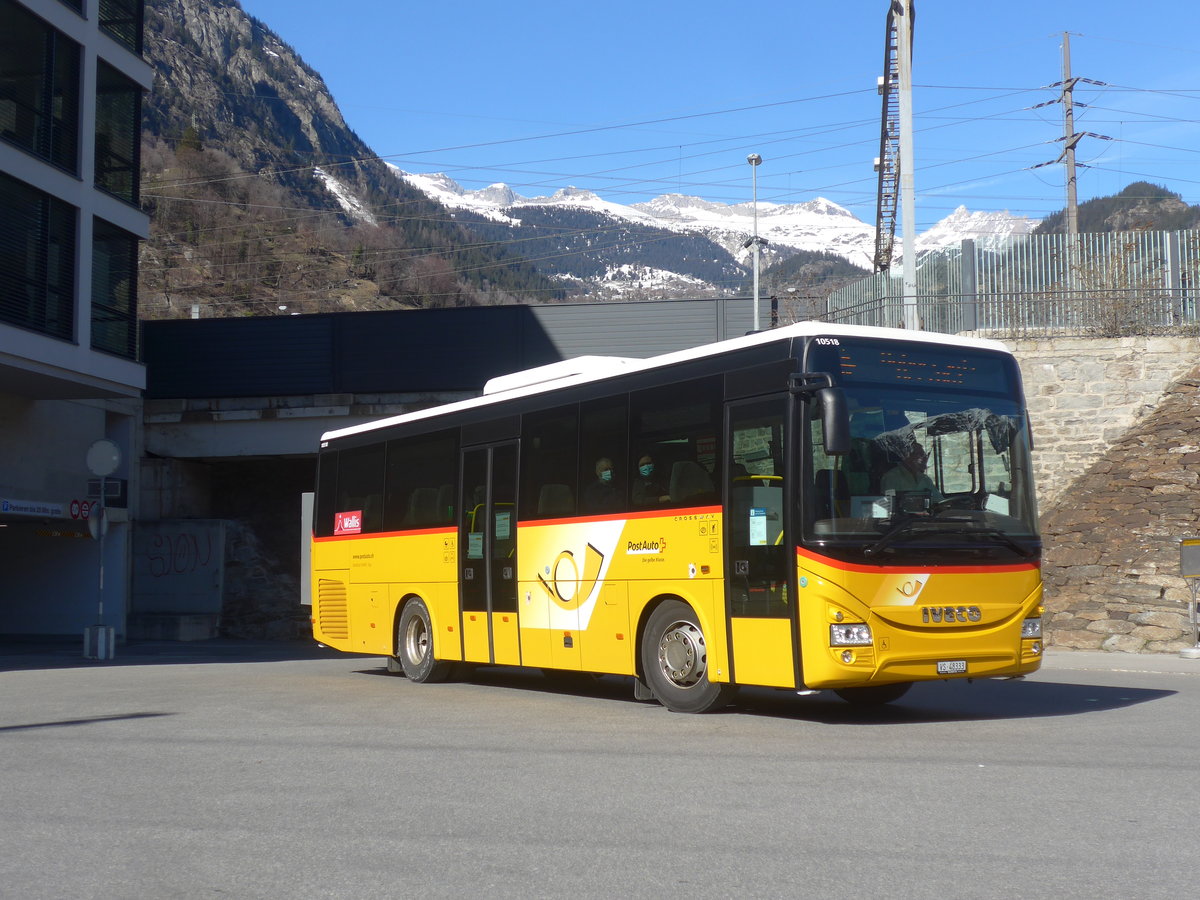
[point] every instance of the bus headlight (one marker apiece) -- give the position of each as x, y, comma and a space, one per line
1031, 628
850, 634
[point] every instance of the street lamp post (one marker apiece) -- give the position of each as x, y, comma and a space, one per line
755, 161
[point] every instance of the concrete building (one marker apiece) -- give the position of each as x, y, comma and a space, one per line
71, 84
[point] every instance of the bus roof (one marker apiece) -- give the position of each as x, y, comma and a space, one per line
584, 369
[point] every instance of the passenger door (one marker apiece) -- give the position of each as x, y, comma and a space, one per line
760, 597
487, 558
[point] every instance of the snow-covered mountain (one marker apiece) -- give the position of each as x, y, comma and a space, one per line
989, 230
818, 225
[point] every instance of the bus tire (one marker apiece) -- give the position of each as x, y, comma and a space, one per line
675, 661
414, 645
875, 695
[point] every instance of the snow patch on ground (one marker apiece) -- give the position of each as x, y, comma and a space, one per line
354, 207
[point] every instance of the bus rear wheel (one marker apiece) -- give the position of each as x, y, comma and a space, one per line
414, 645
875, 695
675, 661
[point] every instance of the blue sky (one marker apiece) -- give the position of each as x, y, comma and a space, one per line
632, 100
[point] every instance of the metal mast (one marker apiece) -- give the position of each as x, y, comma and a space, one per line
1071, 137
895, 161
908, 211
887, 164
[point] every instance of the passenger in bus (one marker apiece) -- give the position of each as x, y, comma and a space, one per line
602, 494
910, 475
648, 489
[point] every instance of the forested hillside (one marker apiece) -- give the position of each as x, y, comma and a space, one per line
803, 281
1140, 206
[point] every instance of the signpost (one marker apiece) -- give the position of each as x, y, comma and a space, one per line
1189, 568
103, 458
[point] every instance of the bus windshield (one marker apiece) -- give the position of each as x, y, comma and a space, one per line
931, 476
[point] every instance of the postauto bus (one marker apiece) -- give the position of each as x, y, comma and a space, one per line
813, 507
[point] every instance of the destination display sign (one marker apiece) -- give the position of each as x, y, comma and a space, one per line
854, 361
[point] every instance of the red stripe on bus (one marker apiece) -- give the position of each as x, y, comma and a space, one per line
618, 517
610, 517
966, 570
382, 534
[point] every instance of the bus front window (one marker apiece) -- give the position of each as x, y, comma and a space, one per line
929, 477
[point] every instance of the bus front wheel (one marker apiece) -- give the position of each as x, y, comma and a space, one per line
414, 645
875, 695
675, 661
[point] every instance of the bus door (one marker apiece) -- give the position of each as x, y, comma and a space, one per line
760, 598
487, 556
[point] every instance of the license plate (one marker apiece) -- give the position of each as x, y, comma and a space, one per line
952, 667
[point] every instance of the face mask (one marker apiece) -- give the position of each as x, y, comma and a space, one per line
606, 475
646, 470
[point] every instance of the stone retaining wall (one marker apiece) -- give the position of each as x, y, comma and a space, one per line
1113, 519
1086, 393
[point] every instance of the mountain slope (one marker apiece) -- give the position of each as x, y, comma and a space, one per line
262, 197
817, 234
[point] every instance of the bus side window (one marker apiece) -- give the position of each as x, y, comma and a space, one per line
420, 474
326, 494
604, 434
678, 426
360, 484
549, 464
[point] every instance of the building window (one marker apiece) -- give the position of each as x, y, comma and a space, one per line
76, 5
39, 87
118, 120
114, 290
122, 21
37, 260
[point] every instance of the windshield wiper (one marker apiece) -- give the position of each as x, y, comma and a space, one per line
916, 526
1004, 539
945, 525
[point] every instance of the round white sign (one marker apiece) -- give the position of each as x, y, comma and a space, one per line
103, 458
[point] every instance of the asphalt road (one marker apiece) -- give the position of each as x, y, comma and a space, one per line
233, 770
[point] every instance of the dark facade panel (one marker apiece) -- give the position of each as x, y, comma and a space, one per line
436, 349
644, 329
408, 351
238, 357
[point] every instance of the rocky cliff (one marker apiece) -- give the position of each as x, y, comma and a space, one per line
227, 78
262, 198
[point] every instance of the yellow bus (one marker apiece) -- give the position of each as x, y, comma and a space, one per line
813, 507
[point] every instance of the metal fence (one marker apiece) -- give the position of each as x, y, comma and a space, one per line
1114, 284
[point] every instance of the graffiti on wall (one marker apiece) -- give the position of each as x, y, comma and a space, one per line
178, 566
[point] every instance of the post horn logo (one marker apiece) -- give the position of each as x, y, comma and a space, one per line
562, 580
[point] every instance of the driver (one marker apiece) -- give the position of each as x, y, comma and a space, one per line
910, 475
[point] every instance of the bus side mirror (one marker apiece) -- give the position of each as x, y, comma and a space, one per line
835, 420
